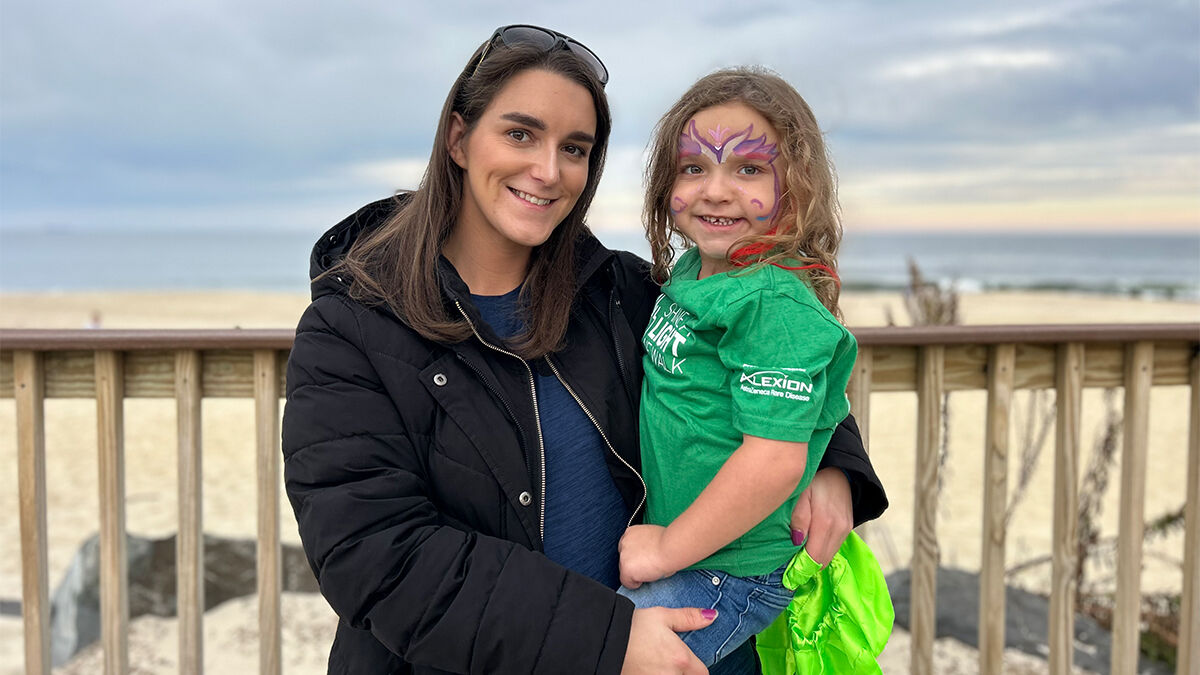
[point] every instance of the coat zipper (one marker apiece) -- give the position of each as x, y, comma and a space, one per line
537, 417
612, 322
611, 449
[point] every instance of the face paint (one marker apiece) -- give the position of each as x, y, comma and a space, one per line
727, 184
741, 144
718, 135
726, 147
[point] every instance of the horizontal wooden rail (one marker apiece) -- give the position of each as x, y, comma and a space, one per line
1087, 334
142, 340
892, 336
228, 362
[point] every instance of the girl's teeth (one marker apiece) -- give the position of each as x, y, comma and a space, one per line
719, 221
531, 199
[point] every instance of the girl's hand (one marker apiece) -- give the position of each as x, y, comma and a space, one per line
642, 556
825, 514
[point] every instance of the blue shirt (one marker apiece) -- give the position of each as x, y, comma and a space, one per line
585, 514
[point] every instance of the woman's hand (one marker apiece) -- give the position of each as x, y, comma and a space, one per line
824, 513
642, 555
655, 648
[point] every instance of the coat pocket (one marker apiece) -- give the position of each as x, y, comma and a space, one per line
468, 499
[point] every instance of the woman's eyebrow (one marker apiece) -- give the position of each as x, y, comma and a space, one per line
535, 123
527, 120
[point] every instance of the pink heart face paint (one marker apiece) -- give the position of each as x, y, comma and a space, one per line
727, 186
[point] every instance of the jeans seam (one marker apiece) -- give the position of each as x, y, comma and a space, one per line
741, 619
716, 601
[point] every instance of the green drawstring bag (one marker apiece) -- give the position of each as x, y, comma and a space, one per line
839, 619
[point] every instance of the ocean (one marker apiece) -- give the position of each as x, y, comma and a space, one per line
69, 259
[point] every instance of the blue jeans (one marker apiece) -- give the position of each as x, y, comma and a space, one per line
745, 606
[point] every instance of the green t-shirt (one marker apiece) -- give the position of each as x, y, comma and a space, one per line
746, 352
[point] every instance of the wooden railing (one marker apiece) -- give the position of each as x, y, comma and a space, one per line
112, 366
188, 366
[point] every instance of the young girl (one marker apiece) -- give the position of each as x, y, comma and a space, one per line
746, 363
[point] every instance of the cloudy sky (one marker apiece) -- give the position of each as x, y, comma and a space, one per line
242, 113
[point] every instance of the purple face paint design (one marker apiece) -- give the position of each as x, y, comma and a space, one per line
743, 145
678, 205
718, 134
757, 203
688, 145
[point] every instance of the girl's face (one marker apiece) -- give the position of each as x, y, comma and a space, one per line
525, 163
728, 182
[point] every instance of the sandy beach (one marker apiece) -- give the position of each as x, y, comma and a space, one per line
251, 309
229, 468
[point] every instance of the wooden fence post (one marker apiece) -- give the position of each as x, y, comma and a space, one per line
1139, 373
189, 542
114, 564
270, 573
1069, 386
29, 387
1001, 363
860, 393
930, 389
1189, 613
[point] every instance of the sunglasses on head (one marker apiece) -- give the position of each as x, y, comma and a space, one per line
547, 40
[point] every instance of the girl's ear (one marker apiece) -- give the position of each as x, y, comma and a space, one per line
455, 140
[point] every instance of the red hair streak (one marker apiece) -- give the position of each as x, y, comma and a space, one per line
742, 258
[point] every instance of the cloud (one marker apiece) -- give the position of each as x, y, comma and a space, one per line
391, 174
969, 62
115, 109
1002, 21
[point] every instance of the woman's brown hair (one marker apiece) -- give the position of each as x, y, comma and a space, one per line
397, 263
808, 226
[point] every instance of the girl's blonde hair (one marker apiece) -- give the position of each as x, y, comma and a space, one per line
808, 226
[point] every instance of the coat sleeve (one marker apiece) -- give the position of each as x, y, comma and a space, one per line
846, 452
388, 563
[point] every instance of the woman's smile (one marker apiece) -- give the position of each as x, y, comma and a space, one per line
530, 199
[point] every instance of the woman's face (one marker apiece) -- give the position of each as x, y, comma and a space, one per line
526, 161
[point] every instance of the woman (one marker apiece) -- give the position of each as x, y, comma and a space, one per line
460, 436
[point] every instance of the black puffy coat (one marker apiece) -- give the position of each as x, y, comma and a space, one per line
414, 470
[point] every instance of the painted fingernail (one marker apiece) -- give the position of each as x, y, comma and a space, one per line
798, 537
708, 613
